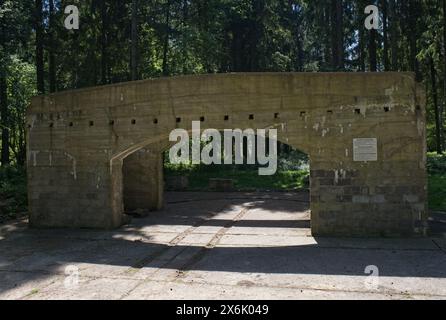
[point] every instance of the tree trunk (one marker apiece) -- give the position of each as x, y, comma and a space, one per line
166, 39
75, 49
385, 36
52, 47
436, 110
340, 32
393, 36
39, 47
337, 38
21, 147
300, 52
325, 22
52, 58
134, 63
103, 42
256, 35
372, 51
443, 113
184, 44
360, 25
4, 155
334, 35
413, 13
4, 117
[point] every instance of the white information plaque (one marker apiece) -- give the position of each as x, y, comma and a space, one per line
365, 149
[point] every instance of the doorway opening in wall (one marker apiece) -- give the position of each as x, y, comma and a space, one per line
142, 182
183, 210
224, 202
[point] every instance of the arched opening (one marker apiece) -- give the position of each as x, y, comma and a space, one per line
293, 169
142, 182
265, 203
153, 185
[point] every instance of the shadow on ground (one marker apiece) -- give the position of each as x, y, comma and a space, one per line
235, 233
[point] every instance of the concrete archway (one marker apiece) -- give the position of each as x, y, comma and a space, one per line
364, 133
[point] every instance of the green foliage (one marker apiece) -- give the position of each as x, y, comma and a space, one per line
293, 160
436, 164
437, 192
13, 196
245, 178
178, 37
15, 22
21, 80
213, 36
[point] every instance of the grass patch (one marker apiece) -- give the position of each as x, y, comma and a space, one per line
437, 192
436, 167
245, 179
436, 163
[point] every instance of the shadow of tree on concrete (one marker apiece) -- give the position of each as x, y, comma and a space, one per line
158, 242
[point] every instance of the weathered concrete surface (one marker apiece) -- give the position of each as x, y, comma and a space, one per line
230, 246
143, 180
79, 141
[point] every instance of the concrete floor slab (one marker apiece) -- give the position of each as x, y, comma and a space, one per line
176, 290
217, 246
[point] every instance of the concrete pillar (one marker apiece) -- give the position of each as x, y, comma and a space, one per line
69, 192
143, 180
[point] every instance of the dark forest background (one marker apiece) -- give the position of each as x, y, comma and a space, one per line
124, 40
138, 39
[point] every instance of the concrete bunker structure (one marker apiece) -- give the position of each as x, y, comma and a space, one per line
90, 149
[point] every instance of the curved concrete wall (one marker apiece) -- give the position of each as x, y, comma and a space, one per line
77, 141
